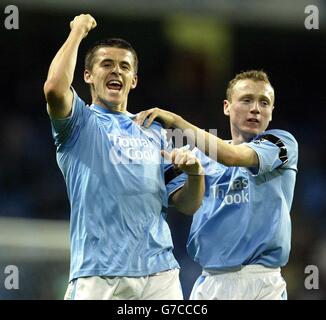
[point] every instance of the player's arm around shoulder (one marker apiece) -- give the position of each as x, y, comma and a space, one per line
214, 147
237, 155
57, 90
274, 142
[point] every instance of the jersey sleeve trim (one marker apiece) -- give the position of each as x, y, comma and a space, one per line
283, 154
171, 192
171, 174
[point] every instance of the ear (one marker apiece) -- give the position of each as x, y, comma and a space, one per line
134, 82
88, 78
270, 119
226, 105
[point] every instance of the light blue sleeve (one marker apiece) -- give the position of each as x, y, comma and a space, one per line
276, 149
66, 131
176, 183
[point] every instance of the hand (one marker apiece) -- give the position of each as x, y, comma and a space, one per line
184, 160
168, 118
83, 23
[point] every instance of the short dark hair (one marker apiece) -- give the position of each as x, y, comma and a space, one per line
111, 42
254, 75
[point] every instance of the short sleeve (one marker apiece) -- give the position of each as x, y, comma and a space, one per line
174, 180
66, 130
275, 149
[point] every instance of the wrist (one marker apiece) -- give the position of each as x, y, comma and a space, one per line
78, 33
200, 172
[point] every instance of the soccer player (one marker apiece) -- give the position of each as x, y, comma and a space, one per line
121, 246
241, 234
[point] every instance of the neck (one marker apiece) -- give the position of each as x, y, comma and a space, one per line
122, 108
240, 137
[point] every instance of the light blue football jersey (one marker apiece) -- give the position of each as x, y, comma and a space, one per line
245, 215
114, 175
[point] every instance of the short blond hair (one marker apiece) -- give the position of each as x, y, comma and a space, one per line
255, 75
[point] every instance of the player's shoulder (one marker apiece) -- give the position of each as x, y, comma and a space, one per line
157, 130
278, 136
284, 140
156, 125
280, 133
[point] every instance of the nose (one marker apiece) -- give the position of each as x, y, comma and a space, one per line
255, 107
115, 69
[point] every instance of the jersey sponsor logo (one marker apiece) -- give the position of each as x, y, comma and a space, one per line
235, 192
128, 142
133, 150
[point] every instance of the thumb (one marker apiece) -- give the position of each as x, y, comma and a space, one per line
94, 24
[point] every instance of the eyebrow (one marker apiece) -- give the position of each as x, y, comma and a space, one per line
111, 60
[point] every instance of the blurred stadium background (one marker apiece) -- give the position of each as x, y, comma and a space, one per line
188, 50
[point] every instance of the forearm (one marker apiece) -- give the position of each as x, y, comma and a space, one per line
62, 68
216, 148
188, 199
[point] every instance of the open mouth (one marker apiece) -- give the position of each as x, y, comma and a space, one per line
253, 120
114, 85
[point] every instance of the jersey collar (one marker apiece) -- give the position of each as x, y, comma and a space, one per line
105, 110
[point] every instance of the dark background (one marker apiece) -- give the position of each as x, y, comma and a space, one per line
188, 77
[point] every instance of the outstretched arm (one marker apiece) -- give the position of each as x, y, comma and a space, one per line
188, 199
61, 72
214, 147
